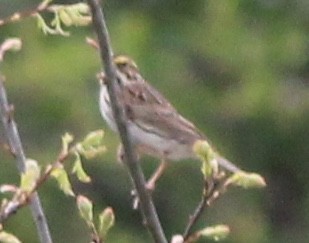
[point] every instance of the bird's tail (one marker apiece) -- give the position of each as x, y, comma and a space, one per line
228, 165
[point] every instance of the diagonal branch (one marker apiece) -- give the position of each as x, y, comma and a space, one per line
22, 199
21, 15
11, 132
147, 206
213, 188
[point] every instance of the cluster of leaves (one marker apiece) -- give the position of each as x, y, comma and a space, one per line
106, 218
67, 15
210, 168
63, 15
89, 148
216, 183
33, 178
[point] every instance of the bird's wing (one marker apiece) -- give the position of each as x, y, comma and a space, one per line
141, 93
151, 111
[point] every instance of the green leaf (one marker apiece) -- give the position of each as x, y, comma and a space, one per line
56, 22
65, 17
204, 151
79, 170
81, 8
43, 26
85, 209
30, 176
94, 138
63, 181
67, 139
92, 146
246, 180
106, 221
80, 14
91, 153
74, 14
218, 232
8, 238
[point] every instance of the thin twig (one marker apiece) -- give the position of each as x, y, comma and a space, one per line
192, 238
147, 206
213, 188
26, 197
24, 14
11, 132
198, 210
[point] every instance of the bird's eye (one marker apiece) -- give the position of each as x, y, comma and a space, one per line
123, 65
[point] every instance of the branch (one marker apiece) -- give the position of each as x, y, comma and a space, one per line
147, 206
212, 190
21, 15
11, 132
22, 198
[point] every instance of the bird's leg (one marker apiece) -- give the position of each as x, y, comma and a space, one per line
151, 183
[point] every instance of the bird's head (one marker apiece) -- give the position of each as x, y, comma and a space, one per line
127, 67
123, 62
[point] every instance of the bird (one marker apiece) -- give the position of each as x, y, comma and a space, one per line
156, 127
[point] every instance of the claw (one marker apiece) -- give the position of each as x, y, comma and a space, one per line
151, 183
150, 186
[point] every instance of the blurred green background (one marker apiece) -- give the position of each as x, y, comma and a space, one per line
238, 69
